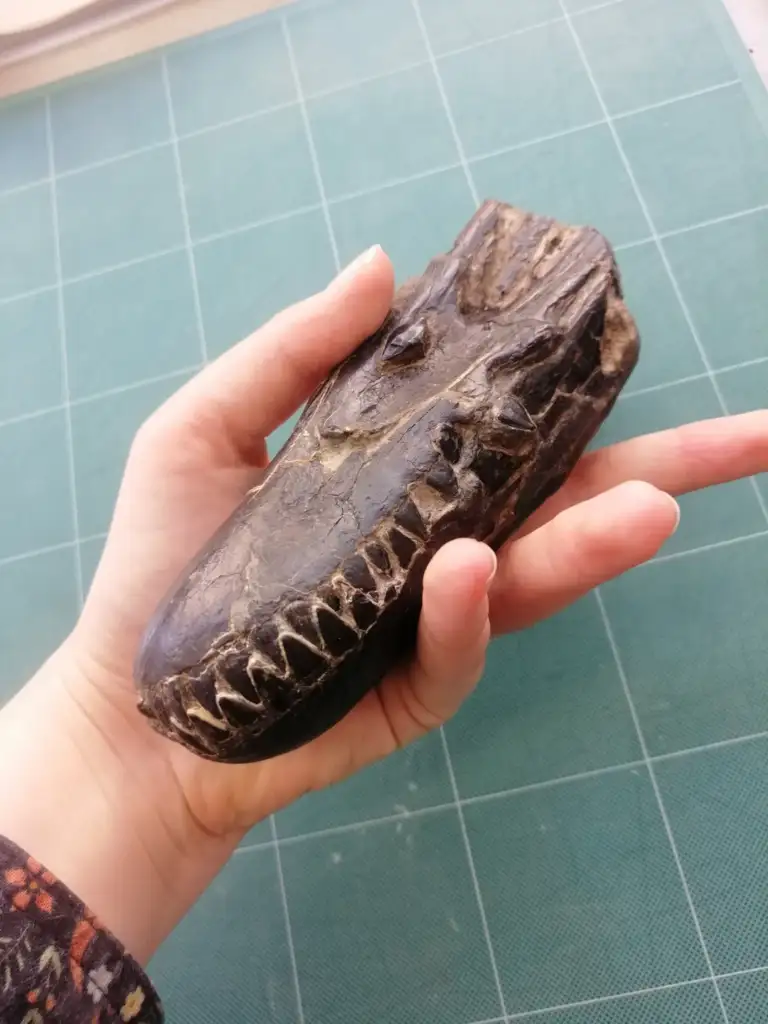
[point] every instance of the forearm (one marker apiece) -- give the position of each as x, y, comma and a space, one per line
90, 795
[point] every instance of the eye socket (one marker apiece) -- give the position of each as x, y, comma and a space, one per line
450, 444
406, 346
333, 431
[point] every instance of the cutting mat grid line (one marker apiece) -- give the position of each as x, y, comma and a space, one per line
302, 102
188, 246
194, 367
346, 197
62, 330
362, 193
317, 174
444, 740
655, 560
212, 129
558, 846
604, 614
729, 83
366, 823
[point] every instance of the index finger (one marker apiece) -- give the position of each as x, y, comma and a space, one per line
678, 460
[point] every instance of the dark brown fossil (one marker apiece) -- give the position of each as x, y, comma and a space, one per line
459, 417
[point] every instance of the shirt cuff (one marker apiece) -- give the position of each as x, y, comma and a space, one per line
58, 963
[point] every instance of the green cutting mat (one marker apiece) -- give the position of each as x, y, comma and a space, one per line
588, 841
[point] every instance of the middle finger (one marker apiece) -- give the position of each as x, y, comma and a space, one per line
583, 546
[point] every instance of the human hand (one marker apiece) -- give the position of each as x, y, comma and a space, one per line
160, 818
199, 453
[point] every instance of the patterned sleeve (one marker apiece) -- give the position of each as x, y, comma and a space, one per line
58, 963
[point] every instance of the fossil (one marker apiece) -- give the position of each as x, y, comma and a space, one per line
459, 417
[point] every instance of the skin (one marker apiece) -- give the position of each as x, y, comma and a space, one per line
113, 801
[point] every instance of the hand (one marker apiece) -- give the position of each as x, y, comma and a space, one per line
195, 458
191, 464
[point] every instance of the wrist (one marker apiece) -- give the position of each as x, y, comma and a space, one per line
95, 799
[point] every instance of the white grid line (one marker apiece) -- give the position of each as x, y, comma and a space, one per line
315, 94
310, 142
723, 976
473, 874
65, 545
22, 417
447, 108
672, 556
107, 161
112, 268
625, 396
230, 122
359, 193
598, 1000
659, 244
276, 108
176, 138
712, 979
733, 741
324, 205
609, 631
622, 246
355, 83
335, 251
193, 367
444, 739
64, 355
265, 844
51, 549
456, 51
659, 800
405, 179
98, 395
287, 915
144, 382
310, 95
704, 375
358, 826
184, 210
681, 98
715, 220
254, 225
28, 186
8, 300
503, 794
537, 140
560, 780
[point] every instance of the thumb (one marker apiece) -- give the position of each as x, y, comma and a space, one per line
245, 394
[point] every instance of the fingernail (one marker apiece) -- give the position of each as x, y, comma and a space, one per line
357, 264
677, 516
493, 567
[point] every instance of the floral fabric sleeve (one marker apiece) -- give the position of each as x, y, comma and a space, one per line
58, 963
